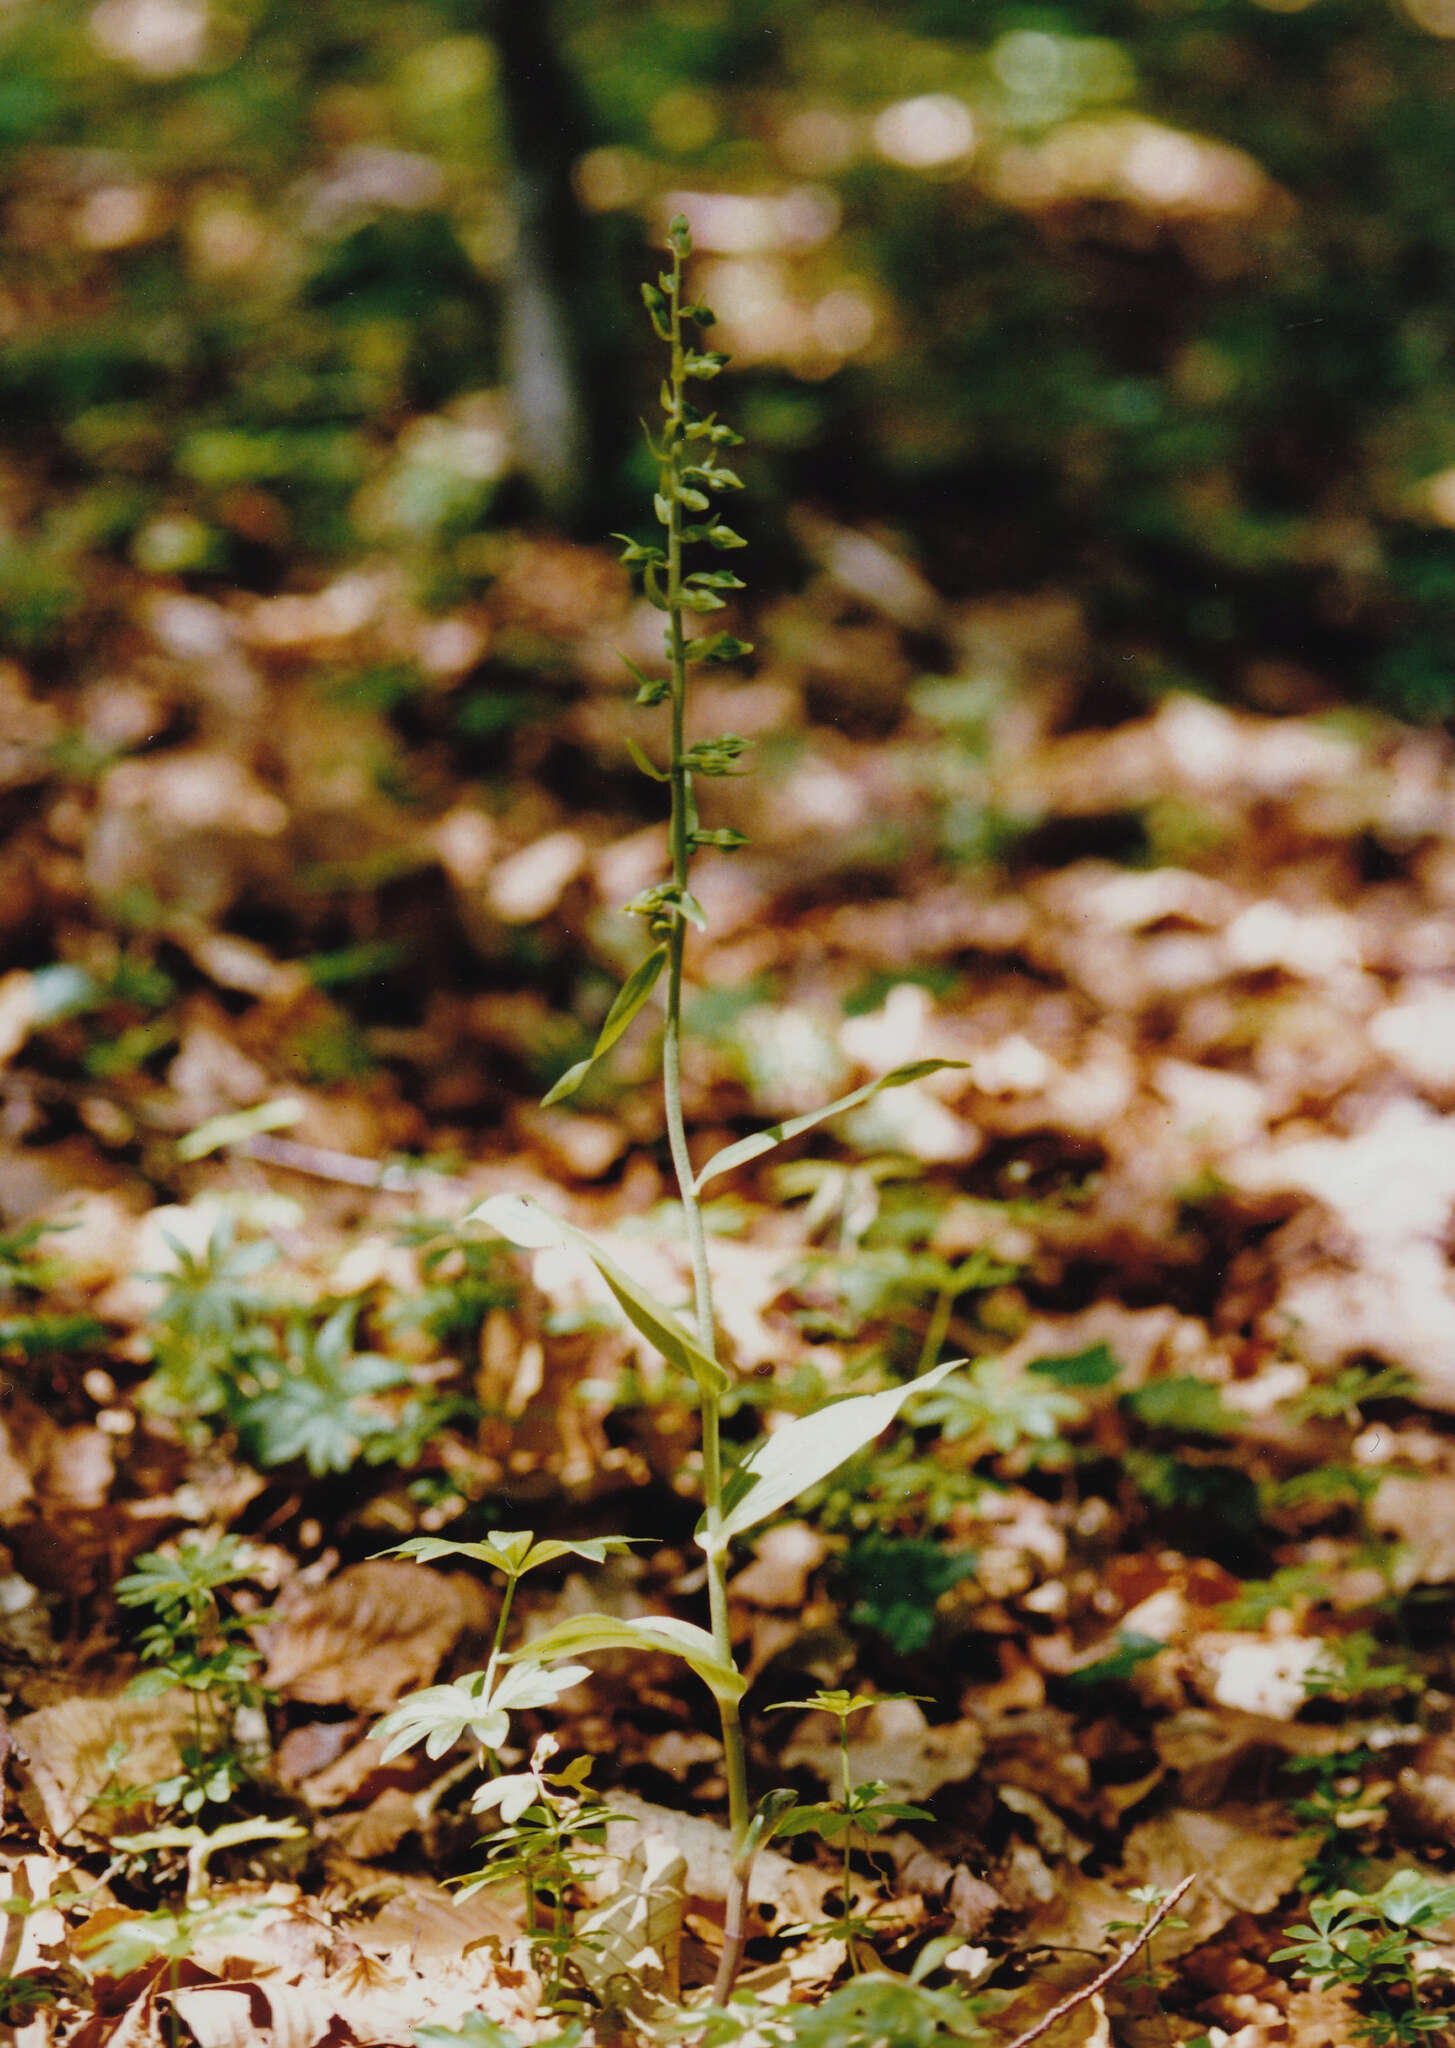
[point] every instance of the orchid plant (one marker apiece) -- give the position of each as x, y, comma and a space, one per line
689, 449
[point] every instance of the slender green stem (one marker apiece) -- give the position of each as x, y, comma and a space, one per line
936, 1329
560, 1874
847, 1881
680, 828
495, 1648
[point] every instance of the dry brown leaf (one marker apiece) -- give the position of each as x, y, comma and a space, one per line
376, 1631
64, 1749
1244, 1859
19, 1011
194, 826
787, 1556
571, 1142
378, 1829
305, 1752
527, 885
1419, 1510
239, 2015
637, 1932
79, 1470
679, 1751
1315, 2018
1085, 2026
427, 1956
211, 1073
794, 1890
1205, 1747
1053, 1836
25, 1438
141, 2024
35, 1940
432, 1925
896, 1746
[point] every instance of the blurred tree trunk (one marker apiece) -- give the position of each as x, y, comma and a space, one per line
560, 345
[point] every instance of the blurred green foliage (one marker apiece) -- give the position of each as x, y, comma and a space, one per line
1144, 299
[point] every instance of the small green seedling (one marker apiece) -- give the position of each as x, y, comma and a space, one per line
1150, 1976
195, 1645
28, 1331
463, 1277
545, 1818
1345, 1807
875, 2010
476, 2031
1357, 1667
550, 1827
199, 1846
858, 1814
163, 1941
25, 1994
1371, 1942
481, 1702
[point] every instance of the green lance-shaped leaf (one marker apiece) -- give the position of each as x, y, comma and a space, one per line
744, 1149
633, 994
526, 1224
797, 1456
584, 1633
236, 1127
645, 762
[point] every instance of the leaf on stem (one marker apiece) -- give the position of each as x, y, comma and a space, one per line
717, 647
637, 551
656, 306
532, 1228
802, 1452
584, 1633
633, 994
440, 1714
512, 1551
645, 762
778, 1134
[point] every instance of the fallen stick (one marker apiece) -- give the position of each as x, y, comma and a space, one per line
1113, 1969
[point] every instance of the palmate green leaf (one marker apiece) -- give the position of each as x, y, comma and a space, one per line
314, 1416
1093, 1367
802, 1452
778, 1134
191, 1574
584, 1633
513, 1551
630, 999
533, 1228
476, 2031
1410, 1898
441, 1714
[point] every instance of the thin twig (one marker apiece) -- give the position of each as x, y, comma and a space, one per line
1113, 1969
392, 1177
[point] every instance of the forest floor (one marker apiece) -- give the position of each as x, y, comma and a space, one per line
312, 896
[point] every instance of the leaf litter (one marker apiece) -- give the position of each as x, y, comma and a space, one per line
1199, 1130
